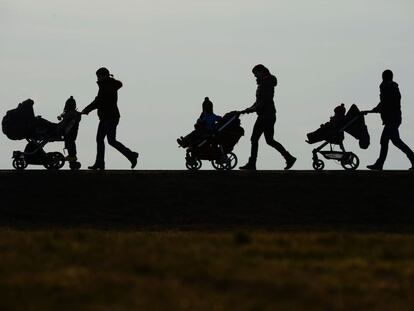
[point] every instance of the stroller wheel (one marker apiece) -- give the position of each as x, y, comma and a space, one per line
231, 160
350, 162
318, 165
19, 163
193, 164
75, 165
226, 162
219, 165
55, 161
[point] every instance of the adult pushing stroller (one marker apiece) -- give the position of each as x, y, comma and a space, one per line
332, 133
21, 123
217, 146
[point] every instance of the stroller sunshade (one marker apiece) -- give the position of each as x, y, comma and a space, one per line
356, 127
21, 123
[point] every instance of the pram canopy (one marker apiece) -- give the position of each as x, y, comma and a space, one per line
356, 127
353, 124
229, 131
21, 123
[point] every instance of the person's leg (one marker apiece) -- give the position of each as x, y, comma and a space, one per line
384, 141
100, 143
111, 136
257, 132
396, 140
70, 146
190, 139
70, 143
269, 130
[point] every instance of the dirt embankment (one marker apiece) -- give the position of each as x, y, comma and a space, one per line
207, 200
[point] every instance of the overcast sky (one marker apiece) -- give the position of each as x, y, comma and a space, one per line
170, 54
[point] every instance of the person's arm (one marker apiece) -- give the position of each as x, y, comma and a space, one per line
200, 118
254, 107
388, 93
263, 93
61, 116
92, 106
199, 121
379, 107
118, 84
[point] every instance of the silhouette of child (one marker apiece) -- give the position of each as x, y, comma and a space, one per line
330, 130
205, 125
70, 119
338, 118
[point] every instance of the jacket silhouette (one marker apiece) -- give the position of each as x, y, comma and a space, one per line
265, 105
390, 103
106, 100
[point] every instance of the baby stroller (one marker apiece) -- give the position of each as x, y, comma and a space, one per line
218, 146
21, 123
352, 123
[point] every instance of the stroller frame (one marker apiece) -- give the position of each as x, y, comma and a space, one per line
348, 160
219, 158
35, 155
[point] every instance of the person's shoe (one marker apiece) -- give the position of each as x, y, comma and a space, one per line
96, 167
249, 166
181, 141
374, 167
71, 158
74, 165
290, 162
134, 159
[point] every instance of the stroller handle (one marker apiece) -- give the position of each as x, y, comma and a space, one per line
365, 112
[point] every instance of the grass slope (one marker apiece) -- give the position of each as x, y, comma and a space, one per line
107, 270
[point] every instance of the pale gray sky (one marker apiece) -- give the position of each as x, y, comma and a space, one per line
171, 54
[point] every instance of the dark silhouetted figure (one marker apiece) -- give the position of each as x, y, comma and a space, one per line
390, 111
108, 113
266, 117
205, 125
70, 119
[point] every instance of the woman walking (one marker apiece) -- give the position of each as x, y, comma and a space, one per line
266, 117
108, 113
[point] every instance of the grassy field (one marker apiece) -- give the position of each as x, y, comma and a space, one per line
173, 270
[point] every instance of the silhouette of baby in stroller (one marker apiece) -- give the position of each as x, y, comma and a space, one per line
213, 139
332, 133
205, 126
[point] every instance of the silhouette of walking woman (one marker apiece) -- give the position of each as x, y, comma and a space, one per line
108, 113
389, 108
266, 117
